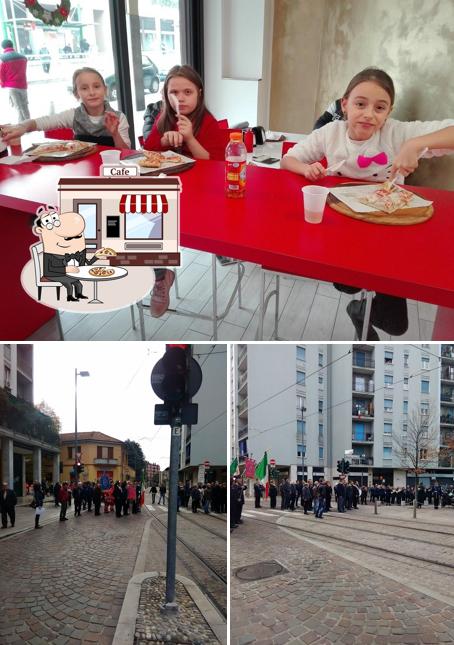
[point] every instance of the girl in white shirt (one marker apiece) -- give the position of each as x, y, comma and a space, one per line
94, 120
374, 148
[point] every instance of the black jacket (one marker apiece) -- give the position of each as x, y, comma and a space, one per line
9, 501
332, 113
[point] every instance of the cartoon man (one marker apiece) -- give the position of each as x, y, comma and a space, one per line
63, 248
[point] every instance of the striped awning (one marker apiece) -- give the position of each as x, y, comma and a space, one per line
154, 203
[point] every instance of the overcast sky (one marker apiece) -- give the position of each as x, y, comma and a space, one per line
116, 398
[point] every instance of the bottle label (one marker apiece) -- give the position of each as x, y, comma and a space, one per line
235, 175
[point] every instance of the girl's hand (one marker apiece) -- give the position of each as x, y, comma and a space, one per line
185, 127
8, 132
406, 160
172, 139
314, 171
111, 121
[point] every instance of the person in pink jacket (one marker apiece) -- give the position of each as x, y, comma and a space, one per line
13, 77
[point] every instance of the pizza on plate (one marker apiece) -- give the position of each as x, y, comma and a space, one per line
388, 198
156, 159
101, 272
59, 146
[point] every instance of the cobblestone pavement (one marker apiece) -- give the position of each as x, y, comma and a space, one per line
65, 583
211, 548
334, 593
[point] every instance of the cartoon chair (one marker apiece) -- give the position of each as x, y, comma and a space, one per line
41, 281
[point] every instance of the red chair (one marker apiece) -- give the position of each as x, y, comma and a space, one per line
286, 145
223, 124
65, 134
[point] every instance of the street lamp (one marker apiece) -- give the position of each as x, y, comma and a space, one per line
76, 374
303, 446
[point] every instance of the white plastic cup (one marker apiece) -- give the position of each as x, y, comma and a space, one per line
110, 156
314, 203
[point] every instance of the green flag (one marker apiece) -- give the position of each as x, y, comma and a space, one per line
233, 466
260, 469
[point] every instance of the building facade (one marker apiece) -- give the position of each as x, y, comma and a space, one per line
29, 444
153, 472
99, 455
307, 405
203, 448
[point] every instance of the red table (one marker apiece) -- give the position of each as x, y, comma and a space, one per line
267, 227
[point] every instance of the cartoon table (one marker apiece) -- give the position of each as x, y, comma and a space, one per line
134, 285
84, 274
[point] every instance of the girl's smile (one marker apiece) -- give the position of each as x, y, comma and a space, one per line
366, 108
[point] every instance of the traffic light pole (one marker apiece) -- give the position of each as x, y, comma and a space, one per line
170, 605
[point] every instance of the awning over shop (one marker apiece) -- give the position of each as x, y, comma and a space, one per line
154, 203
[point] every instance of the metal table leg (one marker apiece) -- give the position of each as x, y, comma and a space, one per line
95, 300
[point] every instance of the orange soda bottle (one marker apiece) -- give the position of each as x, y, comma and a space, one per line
235, 166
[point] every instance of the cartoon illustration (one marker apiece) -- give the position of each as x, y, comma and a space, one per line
64, 249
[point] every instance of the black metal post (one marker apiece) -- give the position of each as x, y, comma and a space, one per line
170, 604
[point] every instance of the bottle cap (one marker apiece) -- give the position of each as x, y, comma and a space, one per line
236, 136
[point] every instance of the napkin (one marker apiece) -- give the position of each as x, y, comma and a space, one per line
13, 160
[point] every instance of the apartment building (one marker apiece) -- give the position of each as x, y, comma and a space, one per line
203, 448
29, 446
306, 405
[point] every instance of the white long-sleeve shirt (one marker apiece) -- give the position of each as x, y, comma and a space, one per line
65, 119
332, 141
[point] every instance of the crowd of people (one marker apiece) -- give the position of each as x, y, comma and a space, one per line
316, 496
211, 497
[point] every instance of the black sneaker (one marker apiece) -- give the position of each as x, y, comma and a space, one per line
355, 310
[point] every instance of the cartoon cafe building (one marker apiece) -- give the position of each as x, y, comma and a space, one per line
137, 217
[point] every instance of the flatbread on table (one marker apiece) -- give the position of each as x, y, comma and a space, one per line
388, 198
69, 147
153, 159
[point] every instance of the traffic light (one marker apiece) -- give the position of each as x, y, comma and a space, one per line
177, 376
346, 466
339, 465
79, 467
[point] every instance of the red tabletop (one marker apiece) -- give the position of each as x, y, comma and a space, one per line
266, 227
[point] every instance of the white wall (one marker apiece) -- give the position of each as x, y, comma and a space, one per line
236, 42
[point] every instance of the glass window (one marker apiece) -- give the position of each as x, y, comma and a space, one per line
425, 387
404, 427
320, 452
320, 406
388, 380
300, 426
405, 382
301, 353
388, 357
387, 452
405, 407
320, 429
320, 379
301, 448
425, 362
359, 358
300, 377
388, 405
388, 428
405, 360
300, 403
359, 431
320, 359
424, 408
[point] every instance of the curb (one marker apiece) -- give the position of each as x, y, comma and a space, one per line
124, 633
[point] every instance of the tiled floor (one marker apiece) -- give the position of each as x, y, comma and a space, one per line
309, 310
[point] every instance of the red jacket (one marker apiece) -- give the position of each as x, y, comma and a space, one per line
209, 136
13, 69
63, 495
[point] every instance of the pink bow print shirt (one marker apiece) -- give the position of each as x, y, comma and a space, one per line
368, 160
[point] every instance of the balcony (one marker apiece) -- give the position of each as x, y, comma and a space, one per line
363, 413
362, 363
242, 433
447, 374
447, 397
242, 408
25, 360
106, 462
447, 351
362, 461
367, 437
446, 462
365, 388
447, 419
242, 358
242, 380
7, 353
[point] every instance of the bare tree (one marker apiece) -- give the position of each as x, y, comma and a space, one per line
418, 447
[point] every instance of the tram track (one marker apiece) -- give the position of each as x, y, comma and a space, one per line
192, 520
342, 539
211, 577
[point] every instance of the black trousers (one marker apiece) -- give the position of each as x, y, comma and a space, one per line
388, 313
11, 512
63, 507
118, 507
97, 507
77, 507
